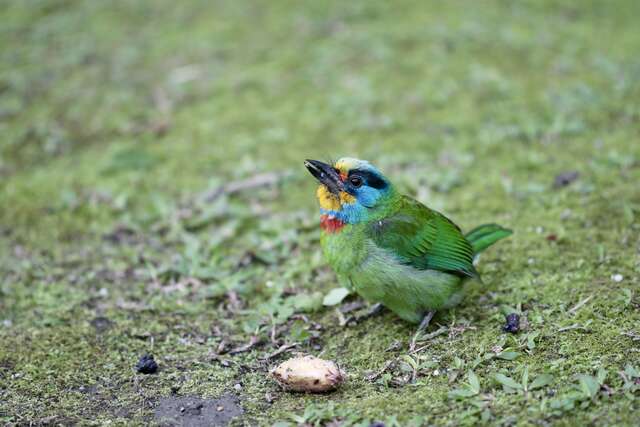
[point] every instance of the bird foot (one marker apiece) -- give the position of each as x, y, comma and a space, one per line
423, 325
374, 311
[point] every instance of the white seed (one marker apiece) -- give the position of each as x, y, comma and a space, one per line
617, 278
308, 374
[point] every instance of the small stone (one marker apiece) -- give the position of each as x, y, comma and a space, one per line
101, 324
220, 408
617, 278
566, 214
565, 178
512, 324
147, 365
237, 387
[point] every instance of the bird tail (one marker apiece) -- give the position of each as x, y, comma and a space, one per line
486, 235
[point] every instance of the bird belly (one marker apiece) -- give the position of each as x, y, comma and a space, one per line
405, 290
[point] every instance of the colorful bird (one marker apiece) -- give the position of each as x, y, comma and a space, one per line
390, 248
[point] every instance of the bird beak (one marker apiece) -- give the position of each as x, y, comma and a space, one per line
326, 175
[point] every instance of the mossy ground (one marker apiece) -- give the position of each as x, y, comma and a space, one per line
121, 121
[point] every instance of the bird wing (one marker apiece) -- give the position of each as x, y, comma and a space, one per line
424, 239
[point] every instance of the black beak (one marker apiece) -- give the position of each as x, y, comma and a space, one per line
326, 174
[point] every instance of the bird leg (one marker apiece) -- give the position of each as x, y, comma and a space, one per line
377, 308
423, 325
373, 311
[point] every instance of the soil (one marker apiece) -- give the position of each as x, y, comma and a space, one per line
193, 411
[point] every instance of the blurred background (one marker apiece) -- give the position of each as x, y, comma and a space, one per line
151, 171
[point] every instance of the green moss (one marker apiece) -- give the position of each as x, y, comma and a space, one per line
118, 121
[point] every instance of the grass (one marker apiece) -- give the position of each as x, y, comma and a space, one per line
123, 125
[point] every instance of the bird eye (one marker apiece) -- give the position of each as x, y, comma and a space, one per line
356, 181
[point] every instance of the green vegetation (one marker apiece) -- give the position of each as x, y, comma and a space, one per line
153, 199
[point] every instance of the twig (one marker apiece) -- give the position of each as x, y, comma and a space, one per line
574, 327
376, 375
421, 328
243, 348
225, 363
375, 310
427, 337
634, 336
580, 304
282, 349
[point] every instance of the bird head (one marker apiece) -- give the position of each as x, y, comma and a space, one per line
350, 190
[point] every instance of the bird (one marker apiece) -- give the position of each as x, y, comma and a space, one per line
391, 249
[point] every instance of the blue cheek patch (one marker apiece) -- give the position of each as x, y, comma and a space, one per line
368, 196
350, 213
331, 213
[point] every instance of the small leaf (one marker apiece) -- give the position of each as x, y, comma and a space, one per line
541, 381
628, 213
531, 340
474, 382
631, 371
411, 362
299, 332
626, 297
589, 385
307, 302
461, 393
458, 363
507, 382
525, 378
508, 355
335, 296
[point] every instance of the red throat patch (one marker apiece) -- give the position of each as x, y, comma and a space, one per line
330, 224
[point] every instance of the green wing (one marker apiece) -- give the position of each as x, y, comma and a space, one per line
425, 239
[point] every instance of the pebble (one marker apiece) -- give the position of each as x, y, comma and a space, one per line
566, 214
147, 365
565, 178
513, 323
617, 278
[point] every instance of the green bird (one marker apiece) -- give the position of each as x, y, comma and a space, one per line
390, 248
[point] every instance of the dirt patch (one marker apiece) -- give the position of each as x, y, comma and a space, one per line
191, 411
